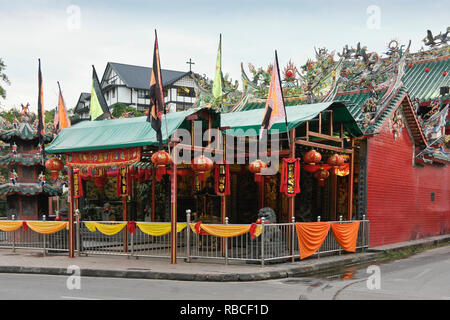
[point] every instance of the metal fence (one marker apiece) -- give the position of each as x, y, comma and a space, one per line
278, 242
47, 243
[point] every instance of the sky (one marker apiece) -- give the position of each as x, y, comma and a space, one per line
71, 36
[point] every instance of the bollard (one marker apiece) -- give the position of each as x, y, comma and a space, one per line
226, 244
77, 230
188, 235
262, 241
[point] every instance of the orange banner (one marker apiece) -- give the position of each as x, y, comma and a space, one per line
311, 235
227, 230
346, 234
47, 227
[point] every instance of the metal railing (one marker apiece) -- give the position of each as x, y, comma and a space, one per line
47, 243
277, 242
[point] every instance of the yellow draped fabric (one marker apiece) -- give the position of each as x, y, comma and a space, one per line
106, 229
226, 230
10, 225
47, 227
158, 229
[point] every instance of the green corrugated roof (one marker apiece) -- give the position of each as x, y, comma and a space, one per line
240, 122
425, 86
116, 133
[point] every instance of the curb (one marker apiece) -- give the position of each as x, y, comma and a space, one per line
297, 271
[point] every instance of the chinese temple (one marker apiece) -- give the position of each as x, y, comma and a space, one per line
366, 135
27, 191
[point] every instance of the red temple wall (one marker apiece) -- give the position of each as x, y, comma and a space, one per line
399, 204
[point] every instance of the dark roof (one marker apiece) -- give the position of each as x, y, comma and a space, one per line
138, 77
84, 96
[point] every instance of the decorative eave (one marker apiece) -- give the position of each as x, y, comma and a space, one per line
29, 189
10, 159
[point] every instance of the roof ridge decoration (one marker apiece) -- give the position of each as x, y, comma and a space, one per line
203, 87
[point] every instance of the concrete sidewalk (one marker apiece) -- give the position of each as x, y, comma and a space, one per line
33, 262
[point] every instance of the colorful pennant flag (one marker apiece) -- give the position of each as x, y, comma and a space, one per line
99, 108
157, 107
61, 120
217, 84
275, 109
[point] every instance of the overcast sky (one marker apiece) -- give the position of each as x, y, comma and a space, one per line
70, 36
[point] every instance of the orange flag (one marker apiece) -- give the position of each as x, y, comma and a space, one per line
61, 118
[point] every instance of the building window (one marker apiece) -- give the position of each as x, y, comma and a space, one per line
113, 93
107, 95
143, 94
185, 92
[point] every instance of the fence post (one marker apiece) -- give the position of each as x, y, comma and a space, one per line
45, 244
364, 233
226, 244
293, 238
318, 251
77, 231
262, 241
340, 221
188, 235
14, 235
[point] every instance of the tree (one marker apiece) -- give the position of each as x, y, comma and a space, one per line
3, 78
120, 108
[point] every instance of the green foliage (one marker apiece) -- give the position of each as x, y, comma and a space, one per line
50, 115
3, 78
121, 108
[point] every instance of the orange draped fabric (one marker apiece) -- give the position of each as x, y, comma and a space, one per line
346, 235
47, 227
310, 236
10, 225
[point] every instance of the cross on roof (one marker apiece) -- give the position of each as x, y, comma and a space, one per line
190, 63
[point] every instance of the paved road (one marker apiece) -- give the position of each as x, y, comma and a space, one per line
423, 276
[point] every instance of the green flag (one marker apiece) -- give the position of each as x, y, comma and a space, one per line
98, 103
217, 85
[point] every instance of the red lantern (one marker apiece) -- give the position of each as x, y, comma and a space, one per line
321, 175
201, 165
335, 160
100, 180
444, 73
427, 69
410, 65
54, 165
312, 157
311, 168
161, 159
256, 167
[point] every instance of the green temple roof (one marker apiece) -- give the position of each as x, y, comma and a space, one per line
24, 131
115, 133
29, 189
423, 85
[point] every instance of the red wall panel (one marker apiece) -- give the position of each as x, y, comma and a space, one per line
399, 204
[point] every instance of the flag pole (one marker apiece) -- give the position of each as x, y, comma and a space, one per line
282, 97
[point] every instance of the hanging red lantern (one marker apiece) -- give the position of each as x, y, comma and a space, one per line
100, 180
201, 165
161, 159
335, 160
256, 167
444, 73
410, 65
321, 175
312, 157
427, 69
54, 165
343, 170
311, 167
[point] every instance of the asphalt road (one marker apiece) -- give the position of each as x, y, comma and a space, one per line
422, 276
